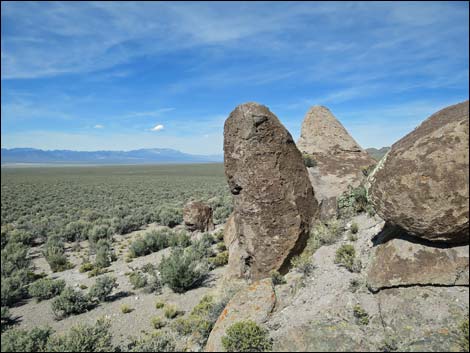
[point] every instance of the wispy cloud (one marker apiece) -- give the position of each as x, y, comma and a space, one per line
157, 127
186, 65
153, 113
98, 126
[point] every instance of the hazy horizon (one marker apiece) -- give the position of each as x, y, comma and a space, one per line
90, 76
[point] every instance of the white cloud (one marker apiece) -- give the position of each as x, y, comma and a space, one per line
98, 126
157, 127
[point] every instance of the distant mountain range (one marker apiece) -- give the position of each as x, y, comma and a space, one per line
377, 154
141, 156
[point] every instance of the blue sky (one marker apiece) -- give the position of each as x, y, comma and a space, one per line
127, 75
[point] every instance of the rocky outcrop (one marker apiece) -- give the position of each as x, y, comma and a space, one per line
400, 261
319, 313
422, 183
339, 160
273, 199
254, 303
198, 216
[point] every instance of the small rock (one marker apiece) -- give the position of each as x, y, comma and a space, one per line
198, 216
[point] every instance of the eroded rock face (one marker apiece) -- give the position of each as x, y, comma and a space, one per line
273, 199
254, 303
198, 216
339, 158
422, 184
399, 261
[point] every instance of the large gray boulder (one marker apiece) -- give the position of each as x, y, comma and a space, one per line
421, 185
273, 199
339, 160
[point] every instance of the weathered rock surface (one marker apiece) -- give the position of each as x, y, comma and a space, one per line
339, 158
198, 216
422, 184
400, 261
254, 303
273, 199
317, 314
236, 266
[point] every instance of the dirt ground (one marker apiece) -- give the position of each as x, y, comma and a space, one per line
32, 314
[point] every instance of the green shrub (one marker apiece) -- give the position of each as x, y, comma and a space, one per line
158, 322
14, 287
221, 259
219, 236
222, 208
99, 232
104, 254
200, 321
159, 305
55, 254
83, 338
180, 239
171, 311
103, 287
126, 309
183, 269
154, 285
21, 236
361, 316
15, 272
309, 162
191, 325
221, 246
14, 258
137, 279
204, 306
146, 278
156, 240
246, 336
153, 241
277, 278
202, 248
222, 213
303, 263
138, 248
389, 344
46, 288
170, 216
96, 271
6, 315
352, 201
157, 342
126, 224
85, 267
345, 255
76, 231
17, 340
464, 335
354, 228
69, 302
